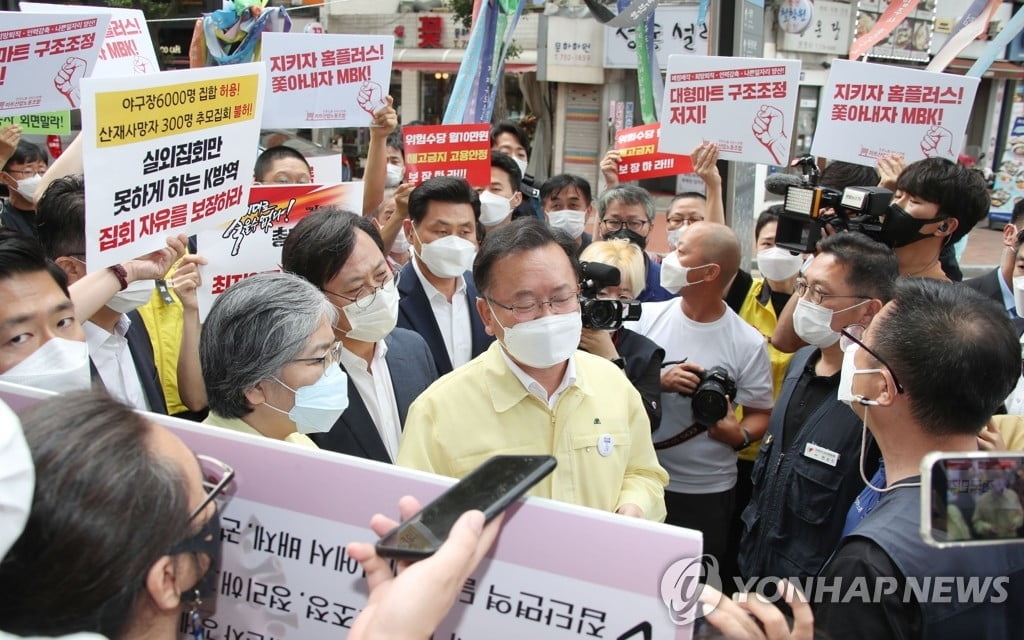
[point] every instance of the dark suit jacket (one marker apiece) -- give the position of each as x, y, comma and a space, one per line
142, 356
412, 371
988, 285
415, 314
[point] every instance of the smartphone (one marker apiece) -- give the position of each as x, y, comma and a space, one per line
973, 498
491, 488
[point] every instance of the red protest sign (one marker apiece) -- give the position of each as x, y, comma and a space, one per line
460, 150
638, 148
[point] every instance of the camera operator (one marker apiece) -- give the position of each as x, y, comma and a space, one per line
698, 331
637, 356
806, 471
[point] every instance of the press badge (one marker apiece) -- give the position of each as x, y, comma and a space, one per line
821, 454
605, 445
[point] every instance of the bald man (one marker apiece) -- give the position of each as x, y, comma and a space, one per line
698, 331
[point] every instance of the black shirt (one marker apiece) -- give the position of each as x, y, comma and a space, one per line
15, 219
810, 391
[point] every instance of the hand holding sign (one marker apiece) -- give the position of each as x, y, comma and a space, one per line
67, 79
187, 279
937, 141
889, 169
156, 264
705, 163
770, 130
385, 120
371, 97
9, 137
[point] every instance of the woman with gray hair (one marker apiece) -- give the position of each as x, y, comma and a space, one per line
270, 360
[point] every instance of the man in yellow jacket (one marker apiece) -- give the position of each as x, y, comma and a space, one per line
532, 392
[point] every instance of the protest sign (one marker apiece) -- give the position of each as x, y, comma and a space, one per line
166, 153
556, 571
744, 105
325, 80
640, 160
251, 243
871, 110
58, 122
461, 150
327, 170
44, 57
127, 49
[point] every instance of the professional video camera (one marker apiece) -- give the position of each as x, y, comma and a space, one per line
603, 314
709, 402
809, 207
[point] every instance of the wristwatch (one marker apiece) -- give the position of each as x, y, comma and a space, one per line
746, 441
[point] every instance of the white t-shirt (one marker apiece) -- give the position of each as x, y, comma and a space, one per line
702, 464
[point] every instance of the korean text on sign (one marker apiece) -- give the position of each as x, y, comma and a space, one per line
640, 159
462, 150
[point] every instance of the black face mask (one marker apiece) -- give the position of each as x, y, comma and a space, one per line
625, 233
205, 541
900, 228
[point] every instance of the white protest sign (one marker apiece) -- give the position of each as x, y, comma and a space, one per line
43, 58
557, 570
127, 48
744, 105
251, 243
871, 110
325, 80
166, 153
327, 170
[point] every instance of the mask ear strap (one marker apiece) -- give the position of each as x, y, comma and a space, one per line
195, 618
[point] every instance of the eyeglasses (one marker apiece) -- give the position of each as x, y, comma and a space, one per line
329, 359
853, 335
817, 297
686, 221
26, 173
365, 296
563, 303
632, 225
216, 476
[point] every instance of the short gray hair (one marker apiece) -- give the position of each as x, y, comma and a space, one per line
626, 194
254, 329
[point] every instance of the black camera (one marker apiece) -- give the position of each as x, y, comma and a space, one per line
603, 314
809, 207
709, 402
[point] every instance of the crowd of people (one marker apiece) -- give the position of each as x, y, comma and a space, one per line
783, 413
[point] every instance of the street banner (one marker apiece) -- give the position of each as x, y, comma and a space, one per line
43, 58
744, 105
56, 122
251, 243
872, 110
127, 48
640, 159
325, 80
1008, 189
166, 153
460, 150
911, 35
557, 570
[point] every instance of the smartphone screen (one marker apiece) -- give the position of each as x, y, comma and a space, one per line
972, 498
491, 488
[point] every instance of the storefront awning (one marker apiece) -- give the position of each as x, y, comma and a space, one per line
431, 60
1000, 68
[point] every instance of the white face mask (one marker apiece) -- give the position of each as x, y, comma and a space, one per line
521, 164
401, 243
319, 405
813, 323
376, 320
447, 257
493, 208
778, 264
394, 176
569, 221
673, 237
545, 341
17, 479
27, 187
1018, 295
134, 296
849, 369
58, 365
674, 276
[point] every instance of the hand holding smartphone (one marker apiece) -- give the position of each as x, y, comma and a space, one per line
491, 488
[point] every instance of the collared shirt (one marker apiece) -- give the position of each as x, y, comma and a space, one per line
536, 388
809, 392
373, 382
598, 430
113, 360
241, 426
1008, 301
452, 318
